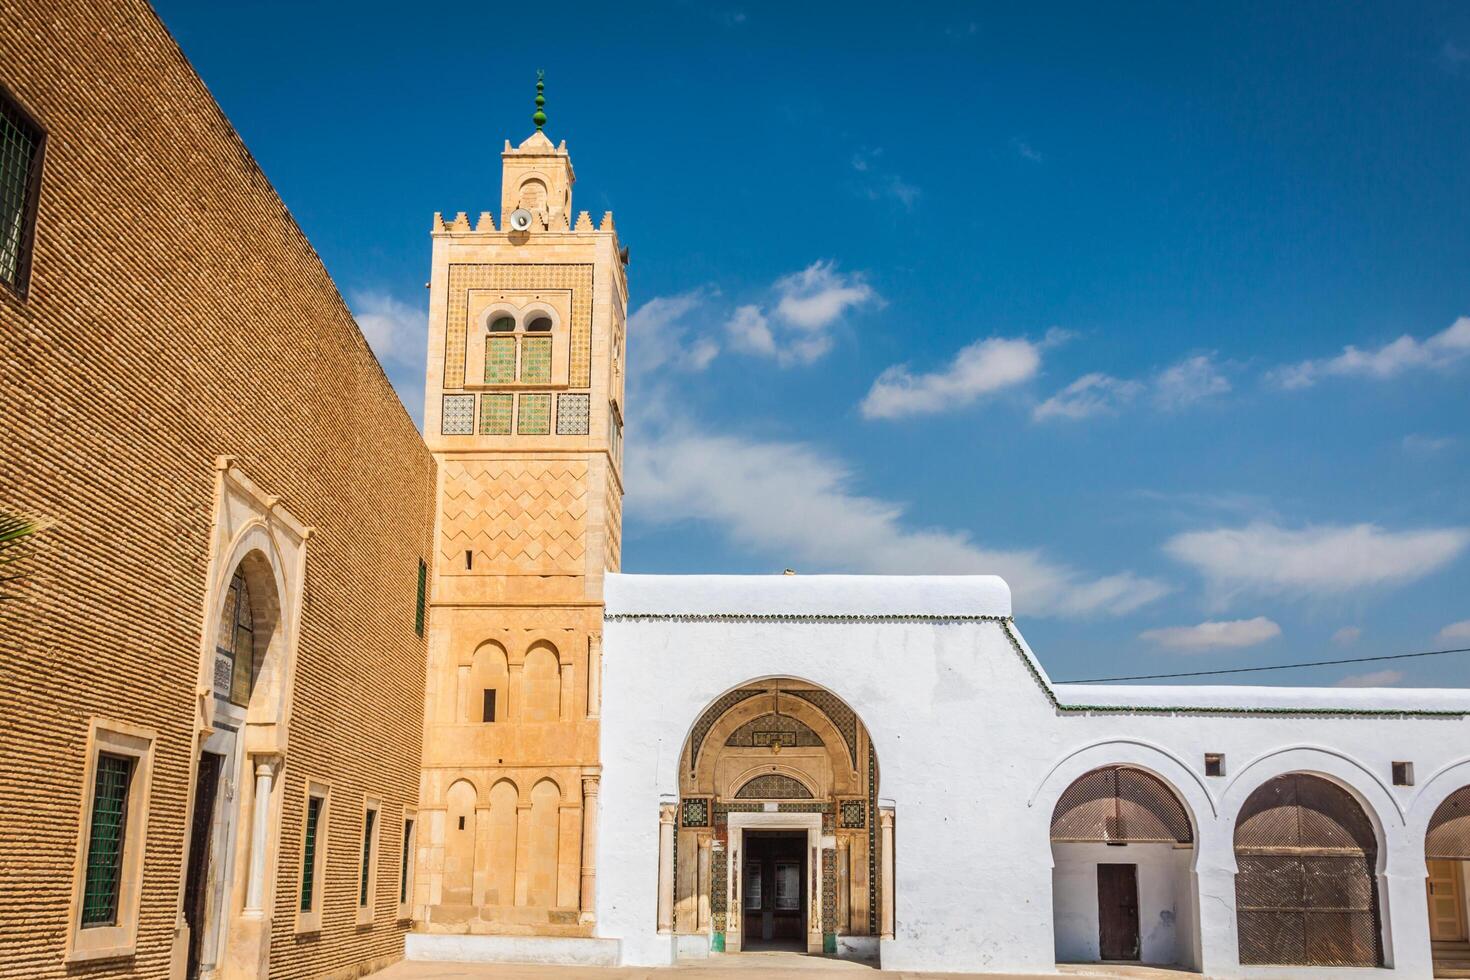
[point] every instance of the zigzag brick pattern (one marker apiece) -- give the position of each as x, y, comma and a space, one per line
519, 517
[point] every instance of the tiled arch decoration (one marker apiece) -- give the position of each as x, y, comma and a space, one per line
576, 277
835, 708
712, 714
773, 786
773, 729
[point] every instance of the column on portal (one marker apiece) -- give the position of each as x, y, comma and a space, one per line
266, 767
843, 903
1213, 878
666, 813
701, 886
588, 898
885, 921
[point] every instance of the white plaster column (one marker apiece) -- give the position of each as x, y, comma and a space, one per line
594, 676
701, 886
666, 867
885, 821
266, 767
588, 897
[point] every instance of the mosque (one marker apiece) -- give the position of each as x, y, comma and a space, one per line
290, 690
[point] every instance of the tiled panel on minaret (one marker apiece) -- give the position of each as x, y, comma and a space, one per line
535, 415
495, 413
500, 360
571, 413
459, 415
464, 277
536, 360
522, 516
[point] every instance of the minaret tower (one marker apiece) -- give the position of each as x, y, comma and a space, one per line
523, 412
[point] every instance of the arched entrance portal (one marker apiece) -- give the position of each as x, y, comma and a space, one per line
1306, 885
776, 835
1122, 852
1447, 855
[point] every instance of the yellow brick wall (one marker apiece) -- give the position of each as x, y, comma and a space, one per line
177, 313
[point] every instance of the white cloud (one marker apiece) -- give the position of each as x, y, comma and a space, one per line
1389, 361
1378, 678
1416, 444
1347, 636
660, 335
1267, 560
1454, 633
1178, 386
794, 504
817, 296
876, 185
1026, 151
979, 369
750, 331
1229, 635
1091, 394
396, 331
1191, 380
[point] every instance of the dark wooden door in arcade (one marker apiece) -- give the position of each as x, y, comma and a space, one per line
1117, 911
775, 889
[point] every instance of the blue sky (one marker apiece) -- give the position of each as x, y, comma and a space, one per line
1162, 313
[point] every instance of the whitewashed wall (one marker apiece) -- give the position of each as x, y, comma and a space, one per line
974, 755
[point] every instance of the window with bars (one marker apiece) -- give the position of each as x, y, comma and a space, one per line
369, 828
234, 649
407, 862
314, 806
421, 601
21, 142
106, 836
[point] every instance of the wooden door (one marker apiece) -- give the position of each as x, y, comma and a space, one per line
1446, 902
1117, 911
196, 879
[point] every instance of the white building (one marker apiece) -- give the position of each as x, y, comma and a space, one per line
1238, 831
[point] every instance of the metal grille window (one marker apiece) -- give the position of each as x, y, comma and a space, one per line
367, 855
406, 863
1448, 838
1306, 891
421, 599
1119, 804
20, 173
105, 839
234, 650
308, 860
536, 360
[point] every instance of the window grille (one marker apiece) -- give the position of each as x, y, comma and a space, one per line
367, 855
234, 650
536, 360
1448, 838
407, 858
308, 849
1306, 890
20, 171
421, 600
458, 415
105, 839
500, 360
1118, 804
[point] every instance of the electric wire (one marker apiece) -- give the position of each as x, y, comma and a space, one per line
1249, 670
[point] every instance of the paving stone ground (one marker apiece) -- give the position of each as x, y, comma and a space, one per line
773, 966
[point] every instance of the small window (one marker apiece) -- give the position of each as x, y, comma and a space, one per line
105, 840
1214, 764
405, 871
313, 858
111, 839
488, 713
503, 324
421, 600
369, 835
20, 182
541, 324
234, 648
1403, 774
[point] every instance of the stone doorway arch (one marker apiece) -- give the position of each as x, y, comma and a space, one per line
777, 822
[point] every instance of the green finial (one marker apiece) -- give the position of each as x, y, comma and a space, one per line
540, 117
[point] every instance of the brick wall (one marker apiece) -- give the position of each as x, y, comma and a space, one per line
177, 313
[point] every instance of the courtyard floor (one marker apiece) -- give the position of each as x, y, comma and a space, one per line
776, 966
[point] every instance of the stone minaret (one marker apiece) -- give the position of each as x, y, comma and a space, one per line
523, 412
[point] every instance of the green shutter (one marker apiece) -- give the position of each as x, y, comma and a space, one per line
308, 861
106, 838
536, 360
500, 360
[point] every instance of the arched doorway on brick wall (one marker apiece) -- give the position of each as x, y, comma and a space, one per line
777, 838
